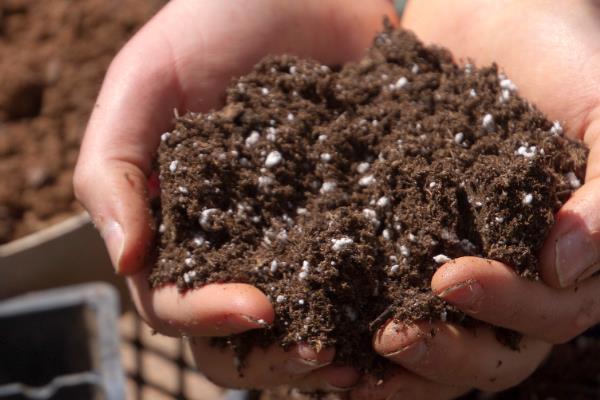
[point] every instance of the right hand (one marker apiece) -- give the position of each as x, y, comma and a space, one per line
183, 59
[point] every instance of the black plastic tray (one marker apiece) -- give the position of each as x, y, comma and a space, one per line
61, 344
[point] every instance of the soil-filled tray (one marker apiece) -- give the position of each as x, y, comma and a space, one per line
339, 190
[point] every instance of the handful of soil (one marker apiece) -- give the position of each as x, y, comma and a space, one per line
339, 191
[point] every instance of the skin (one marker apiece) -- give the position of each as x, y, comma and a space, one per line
183, 59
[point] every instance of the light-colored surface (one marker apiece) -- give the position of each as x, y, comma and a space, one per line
67, 253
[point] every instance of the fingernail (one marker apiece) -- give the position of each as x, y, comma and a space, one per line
576, 257
464, 294
410, 354
112, 233
237, 323
259, 323
306, 361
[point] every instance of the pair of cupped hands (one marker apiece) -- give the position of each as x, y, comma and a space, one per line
184, 58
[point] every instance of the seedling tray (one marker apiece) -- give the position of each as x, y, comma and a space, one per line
61, 344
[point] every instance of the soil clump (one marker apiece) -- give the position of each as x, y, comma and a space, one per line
339, 191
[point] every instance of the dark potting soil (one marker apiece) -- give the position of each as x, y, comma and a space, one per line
54, 55
339, 191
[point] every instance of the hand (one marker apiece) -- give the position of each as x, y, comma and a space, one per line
183, 59
550, 49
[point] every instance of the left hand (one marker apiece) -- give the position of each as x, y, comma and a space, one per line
551, 50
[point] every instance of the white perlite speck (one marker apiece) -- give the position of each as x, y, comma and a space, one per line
415, 69
252, 139
366, 180
499, 219
205, 217
507, 84
363, 167
264, 91
165, 136
387, 235
290, 117
271, 134
199, 240
383, 202
162, 228
473, 93
293, 69
574, 181
280, 298
302, 275
328, 186
325, 157
400, 83
322, 138
441, 258
183, 190
412, 237
274, 158
394, 268
371, 215
527, 199
274, 265
527, 152
264, 181
444, 315
556, 129
173, 165
488, 123
459, 137
341, 243
189, 262
405, 251
188, 276
301, 302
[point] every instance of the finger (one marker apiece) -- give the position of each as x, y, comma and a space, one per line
262, 368
183, 59
212, 310
453, 355
571, 252
491, 291
400, 384
329, 379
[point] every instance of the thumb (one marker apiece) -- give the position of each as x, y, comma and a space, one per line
117, 201
572, 251
111, 176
